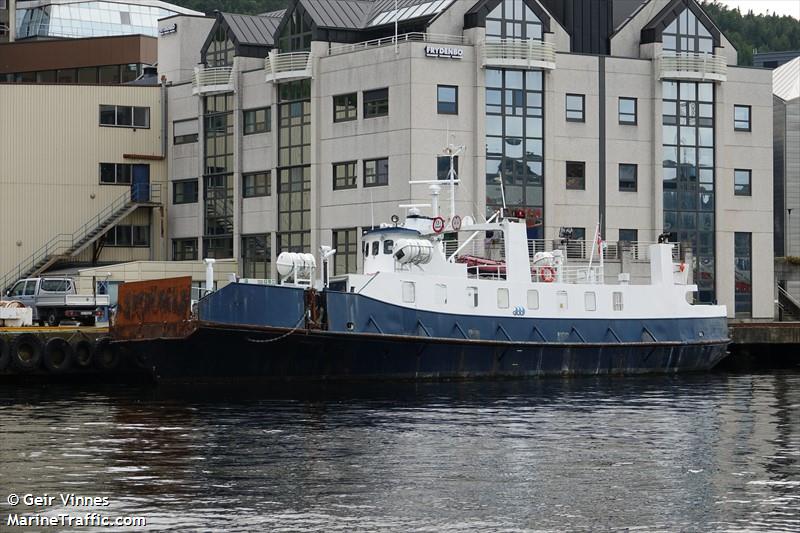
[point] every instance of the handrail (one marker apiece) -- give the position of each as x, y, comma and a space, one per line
63, 243
204, 76
439, 38
783, 292
533, 52
702, 65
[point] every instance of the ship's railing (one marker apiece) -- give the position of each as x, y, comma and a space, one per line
494, 249
437, 38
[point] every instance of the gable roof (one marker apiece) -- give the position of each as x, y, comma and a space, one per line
476, 16
651, 33
251, 29
786, 80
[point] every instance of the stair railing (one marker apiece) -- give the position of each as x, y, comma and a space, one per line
64, 243
794, 306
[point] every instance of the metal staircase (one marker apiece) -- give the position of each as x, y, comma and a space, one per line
788, 306
67, 245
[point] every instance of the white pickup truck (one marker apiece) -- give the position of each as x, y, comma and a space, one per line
54, 300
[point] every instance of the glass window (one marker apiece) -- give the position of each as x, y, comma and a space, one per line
575, 108
743, 283
628, 175
472, 296
502, 298
533, 299
447, 99
184, 249
126, 116
109, 74
184, 191
108, 115
256, 184
742, 179
345, 242
54, 285
67, 76
617, 298
686, 34
576, 175
628, 110
344, 175
30, 288
741, 118
87, 75
141, 235
116, 173
376, 248
256, 256
184, 131
409, 295
443, 167
257, 120
376, 172
628, 235
345, 107
19, 289
388, 247
376, 103
576, 244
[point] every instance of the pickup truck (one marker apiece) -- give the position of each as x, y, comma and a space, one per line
53, 299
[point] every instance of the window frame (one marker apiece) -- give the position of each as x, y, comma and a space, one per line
117, 167
347, 109
370, 104
439, 101
267, 187
377, 182
267, 120
749, 191
567, 109
183, 140
116, 124
749, 109
567, 176
175, 185
346, 164
184, 240
620, 114
635, 177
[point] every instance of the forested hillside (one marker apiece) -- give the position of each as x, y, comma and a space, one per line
767, 33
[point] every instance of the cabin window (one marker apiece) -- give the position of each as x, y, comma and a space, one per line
502, 298
472, 296
376, 247
365, 248
617, 301
409, 295
562, 299
388, 246
440, 294
590, 301
533, 299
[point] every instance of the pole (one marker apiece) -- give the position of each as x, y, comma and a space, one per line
396, 44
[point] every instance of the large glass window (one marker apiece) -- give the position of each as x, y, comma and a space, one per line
743, 259
576, 108
218, 177
257, 120
689, 176
447, 99
221, 49
345, 241
296, 35
376, 172
218, 132
513, 19
256, 184
628, 110
256, 256
184, 192
344, 175
742, 182
345, 107
128, 236
115, 173
741, 118
687, 34
184, 249
376, 103
628, 177
124, 116
515, 144
576, 175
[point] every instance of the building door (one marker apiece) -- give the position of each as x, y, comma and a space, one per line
140, 183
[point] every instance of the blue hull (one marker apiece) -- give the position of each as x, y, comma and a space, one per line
248, 331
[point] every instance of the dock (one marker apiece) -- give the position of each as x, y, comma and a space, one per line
763, 346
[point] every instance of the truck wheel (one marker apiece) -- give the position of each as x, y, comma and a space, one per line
4, 356
26, 352
83, 353
58, 355
52, 318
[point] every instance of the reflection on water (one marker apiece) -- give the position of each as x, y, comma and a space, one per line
691, 453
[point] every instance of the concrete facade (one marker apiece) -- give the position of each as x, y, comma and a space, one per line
413, 134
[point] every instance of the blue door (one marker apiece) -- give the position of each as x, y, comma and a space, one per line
140, 184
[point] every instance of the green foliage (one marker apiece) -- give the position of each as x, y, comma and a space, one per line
764, 33
245, 7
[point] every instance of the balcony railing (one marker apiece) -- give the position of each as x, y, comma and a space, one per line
212, 80
288, 65
529, 54
419, 37
691, 66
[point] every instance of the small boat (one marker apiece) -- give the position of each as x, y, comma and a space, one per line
417, 311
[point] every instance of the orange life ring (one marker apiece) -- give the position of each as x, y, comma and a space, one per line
547, 274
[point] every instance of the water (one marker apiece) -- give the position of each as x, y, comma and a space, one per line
698, 453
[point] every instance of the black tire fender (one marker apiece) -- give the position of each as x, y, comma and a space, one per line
26, 352
83, 353
5, 357
106, 355
58, 355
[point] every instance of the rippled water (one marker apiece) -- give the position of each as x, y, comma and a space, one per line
699, 453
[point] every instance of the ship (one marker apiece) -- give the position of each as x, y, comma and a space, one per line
492, 306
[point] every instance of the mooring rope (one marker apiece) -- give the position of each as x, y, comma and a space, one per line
265, 341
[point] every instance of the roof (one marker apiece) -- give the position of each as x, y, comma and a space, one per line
252, 29
786, 80
363, 14
338, 13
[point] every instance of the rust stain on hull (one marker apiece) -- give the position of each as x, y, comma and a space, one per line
154, 309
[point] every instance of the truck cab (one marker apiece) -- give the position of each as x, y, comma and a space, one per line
54, 299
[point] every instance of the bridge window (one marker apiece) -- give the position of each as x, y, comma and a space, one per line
590, 301
376, 247
409, 293
533, 299
502, 298
388, 246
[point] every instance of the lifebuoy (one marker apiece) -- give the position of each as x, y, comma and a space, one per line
26, 352
58, 355
547, 274
82, 353
438, 225
4, 357
105, 355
